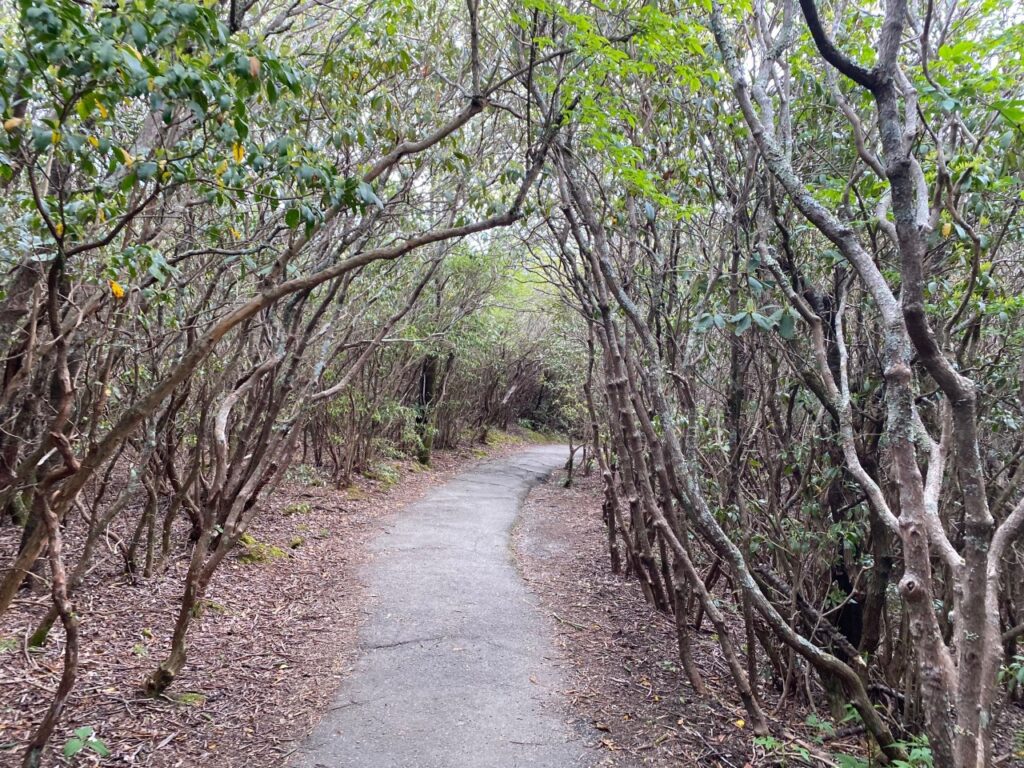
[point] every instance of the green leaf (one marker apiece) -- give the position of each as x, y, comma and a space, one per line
139, 34
42, 137
73, 747
704, 322
292, 218
146, 171
787, 326
1012, 111
365, 193
98, 747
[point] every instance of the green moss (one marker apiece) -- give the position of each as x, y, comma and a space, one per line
8, 644
298, 508
526, 431
202, 606
190, 699
385, 474
306, 474
355, 493
258, 551
296, 542
535, 436
496, 437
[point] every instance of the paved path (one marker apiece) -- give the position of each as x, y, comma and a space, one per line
454, 668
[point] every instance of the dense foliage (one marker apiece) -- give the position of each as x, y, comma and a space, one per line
763, 258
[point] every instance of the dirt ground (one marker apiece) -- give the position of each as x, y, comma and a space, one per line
265, 653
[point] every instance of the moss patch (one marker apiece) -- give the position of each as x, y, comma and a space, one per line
306, 474
535, 436
496, 437
204, 606
298, 508
355, 493
190, 699
385, 474
258, 551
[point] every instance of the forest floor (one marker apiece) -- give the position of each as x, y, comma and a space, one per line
278, 632
623, 674
273, 637
622, 667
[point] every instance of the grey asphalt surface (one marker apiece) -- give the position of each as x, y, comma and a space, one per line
455, 667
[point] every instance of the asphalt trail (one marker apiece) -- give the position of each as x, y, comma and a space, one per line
454, 666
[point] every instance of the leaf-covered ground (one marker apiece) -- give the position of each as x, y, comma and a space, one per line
623, 670
276, 632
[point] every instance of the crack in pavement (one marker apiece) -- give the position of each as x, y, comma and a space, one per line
399, 643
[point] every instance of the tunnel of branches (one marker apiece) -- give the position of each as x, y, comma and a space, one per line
760, 262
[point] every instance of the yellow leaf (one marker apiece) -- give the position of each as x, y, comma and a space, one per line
235, 233
219, 170
95, 142
116, 289
741, 724
55, 136
59, 229
946, 229
13, 122
102, 110
238, 152
124, 157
